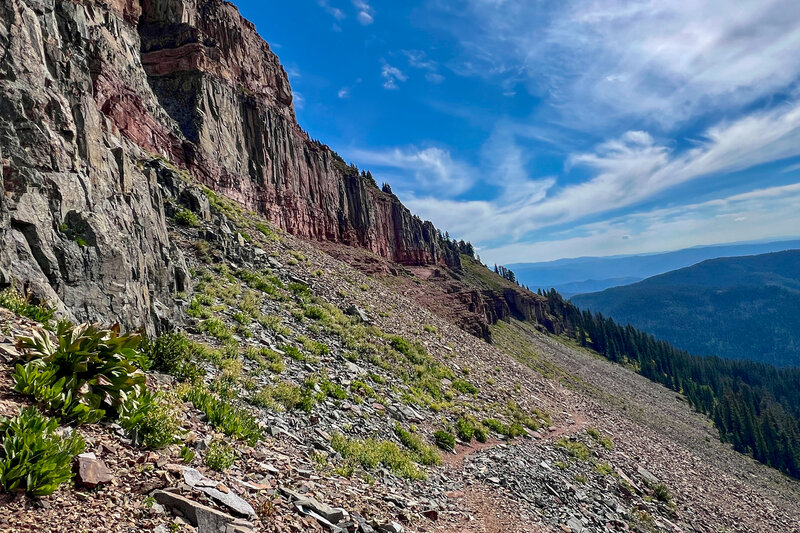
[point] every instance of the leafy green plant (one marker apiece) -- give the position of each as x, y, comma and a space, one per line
84, 373
216, 328
576, 449
220, 456
444, 439
465, 429
32, 456
151, 419
12, 300
314, 313
604, 441
662, 493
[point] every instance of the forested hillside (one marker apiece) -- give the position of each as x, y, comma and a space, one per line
737, 307
755, 406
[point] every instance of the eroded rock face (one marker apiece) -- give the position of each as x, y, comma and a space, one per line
231, 98
80, 223
93, 89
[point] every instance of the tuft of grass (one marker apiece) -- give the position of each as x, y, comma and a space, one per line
662, 493
604, 441
372, 453
465, 387
216, 328
425, 453
233, 421
576, 449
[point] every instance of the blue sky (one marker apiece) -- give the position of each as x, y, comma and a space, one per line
540, 130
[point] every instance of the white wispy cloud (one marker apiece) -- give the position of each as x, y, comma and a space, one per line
600, 61
624, 172
335, 12
391, 75
344, 92
419, 59
754, 215
365, 13
432, 169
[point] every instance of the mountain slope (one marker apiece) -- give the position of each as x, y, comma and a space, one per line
93, 89
306, 331
589, 274
740, 307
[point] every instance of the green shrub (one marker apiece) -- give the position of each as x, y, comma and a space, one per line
425, 453
465, 429
314, 313
511, 430
444, 439
86, 372
184, 217
332, 390
292, 351
32, 457
174, 354
220, 456
15, 302
267, 231
233, 421
480, 434
150, 419
372, 453
286, 396
216, 328
465, 387
359, 387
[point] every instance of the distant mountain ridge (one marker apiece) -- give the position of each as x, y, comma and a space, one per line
736, 307
589, 274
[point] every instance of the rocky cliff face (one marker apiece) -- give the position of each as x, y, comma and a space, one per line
91, 90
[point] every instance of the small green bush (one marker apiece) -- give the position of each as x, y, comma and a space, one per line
220, 456
314, 313
444, 440
662, 493
216, 328
512, 430
32, 457
15, 302
464, 429
184, 217
604, 441
150, 419
425, 453
174, 354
